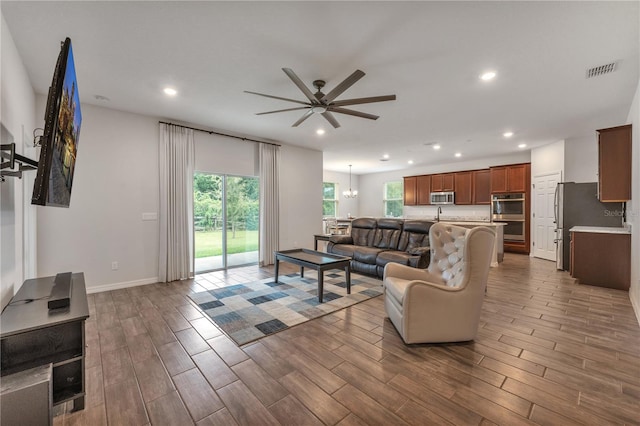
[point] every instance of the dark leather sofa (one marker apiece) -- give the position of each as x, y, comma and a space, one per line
375, 242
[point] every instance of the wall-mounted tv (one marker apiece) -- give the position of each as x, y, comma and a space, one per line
59, 143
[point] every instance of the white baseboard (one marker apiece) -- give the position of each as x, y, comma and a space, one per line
118, 286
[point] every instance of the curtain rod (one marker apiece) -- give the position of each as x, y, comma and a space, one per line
211, 132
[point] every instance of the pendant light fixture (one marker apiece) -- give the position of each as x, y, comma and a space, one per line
350, 193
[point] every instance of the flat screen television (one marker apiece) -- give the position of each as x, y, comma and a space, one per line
59, 143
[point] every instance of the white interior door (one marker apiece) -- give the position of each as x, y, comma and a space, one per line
543, 217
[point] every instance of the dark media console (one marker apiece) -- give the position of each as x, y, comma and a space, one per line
33, 335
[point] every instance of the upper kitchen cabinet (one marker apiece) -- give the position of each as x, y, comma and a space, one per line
614, 164
481, 186
423, 189
462, 184
442, 182
511, 178
410, 190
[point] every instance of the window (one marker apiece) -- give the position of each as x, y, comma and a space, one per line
329, 199
393, 199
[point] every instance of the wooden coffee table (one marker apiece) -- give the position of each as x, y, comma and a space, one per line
315, 260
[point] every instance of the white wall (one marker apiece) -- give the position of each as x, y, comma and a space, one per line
547, 159
633, 206
115, 181
581, 159
370, 186
17, 216
300, 196
345, 205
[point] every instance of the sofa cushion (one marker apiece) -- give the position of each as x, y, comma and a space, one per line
414, 234
388, 234
343, 249
400, 257
366, 254
363, 231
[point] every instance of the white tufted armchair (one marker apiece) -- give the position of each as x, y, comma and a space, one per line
441, 303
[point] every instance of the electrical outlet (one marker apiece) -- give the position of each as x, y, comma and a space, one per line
114, 266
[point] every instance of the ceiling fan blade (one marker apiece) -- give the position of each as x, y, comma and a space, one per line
354, 113
358, 101
296, 80
348, 82
301, 119
277, 97
331, 119
282, 110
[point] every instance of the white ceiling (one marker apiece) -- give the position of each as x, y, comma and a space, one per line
429, 54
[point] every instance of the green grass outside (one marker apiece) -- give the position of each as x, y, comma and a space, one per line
209, 243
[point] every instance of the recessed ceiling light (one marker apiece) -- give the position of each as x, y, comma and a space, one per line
170, 91
320, 132
410, 161
436, 147
385, 156
457, 154
522, 145
507, 134
489, 75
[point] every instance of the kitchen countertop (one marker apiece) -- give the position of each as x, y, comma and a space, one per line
601, 229
473, 223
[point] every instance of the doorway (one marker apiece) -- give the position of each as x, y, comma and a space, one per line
544, 226
226, 221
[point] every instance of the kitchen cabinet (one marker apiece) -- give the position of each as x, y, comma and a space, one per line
601, 256
481, 187
410, 190
423, 189
511, 178
442, 182
462, 185
614, 164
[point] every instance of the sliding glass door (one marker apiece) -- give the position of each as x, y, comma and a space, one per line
226, 221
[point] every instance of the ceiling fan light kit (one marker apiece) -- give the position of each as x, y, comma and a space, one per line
319, 103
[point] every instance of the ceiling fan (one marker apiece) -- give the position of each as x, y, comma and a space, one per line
326, 104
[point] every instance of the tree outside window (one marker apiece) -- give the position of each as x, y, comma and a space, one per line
393, 199
329, 199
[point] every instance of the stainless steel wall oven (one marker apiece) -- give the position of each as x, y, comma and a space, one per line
510, 209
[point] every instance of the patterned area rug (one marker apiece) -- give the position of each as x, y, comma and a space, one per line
247, 312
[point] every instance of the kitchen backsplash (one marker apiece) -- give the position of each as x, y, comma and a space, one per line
449, 212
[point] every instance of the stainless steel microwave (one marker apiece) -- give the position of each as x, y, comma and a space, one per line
443, 197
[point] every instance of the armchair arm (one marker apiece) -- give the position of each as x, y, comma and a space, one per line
410, 273
440, 313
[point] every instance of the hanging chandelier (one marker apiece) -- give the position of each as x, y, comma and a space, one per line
350, 193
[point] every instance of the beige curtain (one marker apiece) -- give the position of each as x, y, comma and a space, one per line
177, 156
269, 202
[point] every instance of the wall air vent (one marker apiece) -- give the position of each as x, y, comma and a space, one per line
601, 70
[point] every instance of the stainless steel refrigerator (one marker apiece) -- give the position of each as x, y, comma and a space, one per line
577, 204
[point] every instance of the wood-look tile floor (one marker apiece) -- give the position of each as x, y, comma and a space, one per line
549, 351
